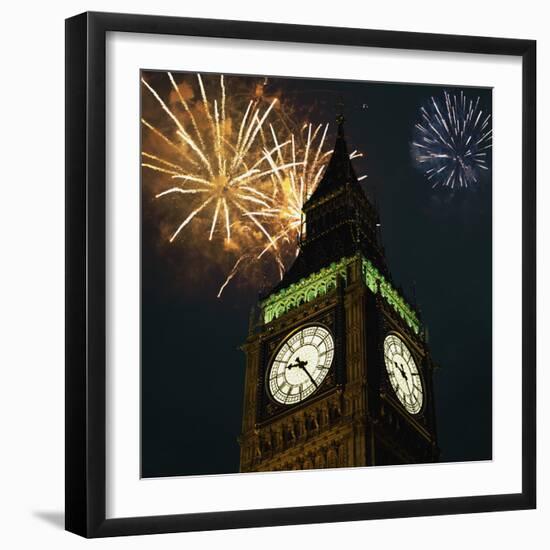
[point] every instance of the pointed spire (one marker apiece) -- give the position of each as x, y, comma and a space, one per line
340, 118
339, 170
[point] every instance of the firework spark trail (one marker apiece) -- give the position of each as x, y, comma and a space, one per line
232, 274
190, 217
188, 110
451, 141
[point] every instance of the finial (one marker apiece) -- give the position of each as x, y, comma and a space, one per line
340, 119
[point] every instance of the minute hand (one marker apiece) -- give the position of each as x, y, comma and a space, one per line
307, 372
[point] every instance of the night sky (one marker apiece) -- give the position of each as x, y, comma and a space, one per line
438, 246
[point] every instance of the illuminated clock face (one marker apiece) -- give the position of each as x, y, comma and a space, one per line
301, 364
403, 373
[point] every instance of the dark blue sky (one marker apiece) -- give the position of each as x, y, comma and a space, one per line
437, 241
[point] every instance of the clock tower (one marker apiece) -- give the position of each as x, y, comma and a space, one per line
338, 371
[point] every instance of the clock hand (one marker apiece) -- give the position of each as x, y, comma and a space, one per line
404, 375
400, 369
302, 365
307, 372
291, 366
299, 363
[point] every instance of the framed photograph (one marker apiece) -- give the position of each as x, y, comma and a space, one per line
300, 274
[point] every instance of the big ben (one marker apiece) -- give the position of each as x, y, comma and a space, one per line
338, 369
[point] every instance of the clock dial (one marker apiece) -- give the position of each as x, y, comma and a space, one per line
403, 373
300, 365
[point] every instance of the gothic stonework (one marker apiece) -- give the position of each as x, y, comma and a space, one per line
325, 385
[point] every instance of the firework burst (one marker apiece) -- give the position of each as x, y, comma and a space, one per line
452, 141
221, 163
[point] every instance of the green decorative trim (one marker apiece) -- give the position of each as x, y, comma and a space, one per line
377, 283
325, 280
305, 290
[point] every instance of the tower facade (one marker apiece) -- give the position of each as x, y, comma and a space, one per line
338, 373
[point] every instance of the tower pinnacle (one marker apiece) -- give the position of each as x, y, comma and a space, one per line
340, 118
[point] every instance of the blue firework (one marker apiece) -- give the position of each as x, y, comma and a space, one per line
452, 141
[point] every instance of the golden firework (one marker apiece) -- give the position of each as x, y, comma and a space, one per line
226, 168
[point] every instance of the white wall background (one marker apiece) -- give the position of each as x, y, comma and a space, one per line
32, 272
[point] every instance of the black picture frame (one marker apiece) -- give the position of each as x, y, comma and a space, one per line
86, 284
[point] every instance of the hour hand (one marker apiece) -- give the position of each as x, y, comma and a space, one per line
400, 369
298, 363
